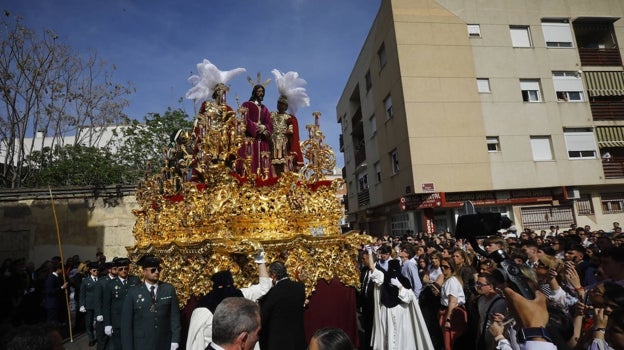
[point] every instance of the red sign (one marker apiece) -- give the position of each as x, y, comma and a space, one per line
420, 201
427, 187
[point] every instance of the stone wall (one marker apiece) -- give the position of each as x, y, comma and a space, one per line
89, 220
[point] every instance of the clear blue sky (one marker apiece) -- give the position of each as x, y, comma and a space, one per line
156, 45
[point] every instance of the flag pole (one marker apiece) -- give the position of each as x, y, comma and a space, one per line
58, 237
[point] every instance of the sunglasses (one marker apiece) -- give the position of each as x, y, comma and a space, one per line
155, 269
94, 269
124, 268
445, 266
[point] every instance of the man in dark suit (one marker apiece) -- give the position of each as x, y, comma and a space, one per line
235, 325
113, 297
54, 294
150, 319
366, 302
281, 311
88, 299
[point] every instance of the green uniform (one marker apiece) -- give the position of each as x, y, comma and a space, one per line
88, 299
113, 299
147, 324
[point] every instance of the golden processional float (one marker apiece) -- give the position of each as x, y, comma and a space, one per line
220, 218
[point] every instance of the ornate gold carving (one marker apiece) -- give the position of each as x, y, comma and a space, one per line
217, 220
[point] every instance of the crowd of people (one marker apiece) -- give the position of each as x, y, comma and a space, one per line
465, 298
418, 291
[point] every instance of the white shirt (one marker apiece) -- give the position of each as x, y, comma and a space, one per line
452, 287
217, 347
149, 286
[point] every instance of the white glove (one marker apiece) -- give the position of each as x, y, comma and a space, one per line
82, 309
259, 257
174, 346
99, 318
108, 330
395, 282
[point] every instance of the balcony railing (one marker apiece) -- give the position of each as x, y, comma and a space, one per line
600, 57
363, 198
613, 168
607, 110
360, 157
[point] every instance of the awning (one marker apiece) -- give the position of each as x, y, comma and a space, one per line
605, 83
610, 136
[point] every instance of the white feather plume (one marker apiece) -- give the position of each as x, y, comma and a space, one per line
291, 86
209, 76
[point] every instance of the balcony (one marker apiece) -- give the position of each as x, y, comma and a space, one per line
600, 57
363, 198
360, 157
613, 168
602, 110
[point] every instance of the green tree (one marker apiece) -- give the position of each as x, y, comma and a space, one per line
74, 166
142, 145
48, 88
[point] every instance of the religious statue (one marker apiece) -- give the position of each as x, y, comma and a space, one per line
259, 128
216, 117
286, 150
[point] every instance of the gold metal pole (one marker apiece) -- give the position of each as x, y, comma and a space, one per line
58, 237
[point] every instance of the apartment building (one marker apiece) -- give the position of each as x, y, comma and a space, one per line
515, 106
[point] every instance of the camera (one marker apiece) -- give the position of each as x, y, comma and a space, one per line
473, 226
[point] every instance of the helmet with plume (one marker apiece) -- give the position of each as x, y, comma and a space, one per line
208, 79
290, 86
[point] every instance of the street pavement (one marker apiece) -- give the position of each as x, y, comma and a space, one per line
79, 342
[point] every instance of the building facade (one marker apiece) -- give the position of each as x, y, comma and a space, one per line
515, 106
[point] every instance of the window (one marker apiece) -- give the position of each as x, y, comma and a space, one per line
520, 36
373, 124
362, 182
399, 224
541, 148
394, 159
388, 106
492, 144
369, 82
474, 31
584, 205
381, 54
483, 85
612, 202
580, 143
530, 90
557, 32
568, 86
378, 172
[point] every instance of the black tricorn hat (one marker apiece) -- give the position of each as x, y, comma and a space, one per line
93, 265
122, 262
149, 260
109, 264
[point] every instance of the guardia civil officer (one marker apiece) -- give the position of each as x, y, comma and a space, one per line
150, 319
113, 298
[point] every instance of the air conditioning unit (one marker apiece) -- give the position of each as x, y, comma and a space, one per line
573, 193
